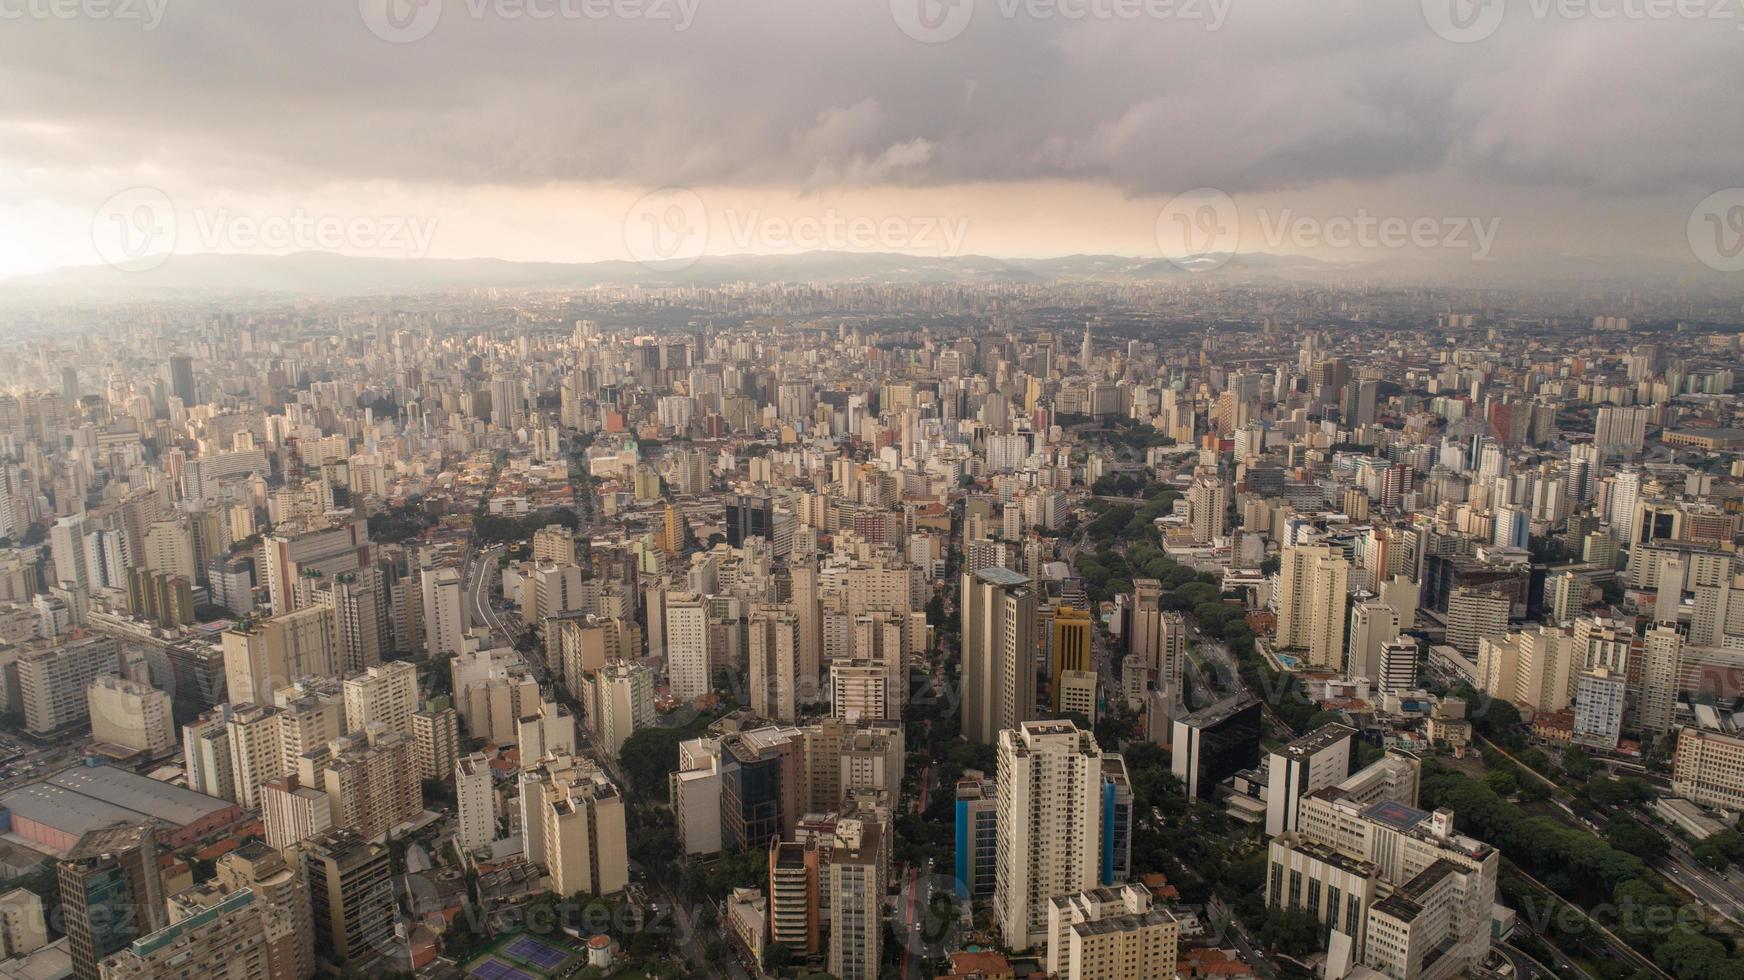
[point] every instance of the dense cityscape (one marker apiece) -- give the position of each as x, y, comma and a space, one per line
871, 490
1212, 629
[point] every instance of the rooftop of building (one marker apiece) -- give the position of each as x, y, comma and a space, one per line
110, 840
1318, 739
87, 798
996, 575
1220, 712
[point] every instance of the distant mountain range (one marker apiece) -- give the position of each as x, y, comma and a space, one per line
324, 273
327, 274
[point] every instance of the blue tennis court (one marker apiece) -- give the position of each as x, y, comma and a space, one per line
498, 970
541, 955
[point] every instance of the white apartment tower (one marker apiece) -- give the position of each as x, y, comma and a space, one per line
1050, 824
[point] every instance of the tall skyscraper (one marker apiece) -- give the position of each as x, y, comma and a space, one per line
1050, 824
999, 652
181, 370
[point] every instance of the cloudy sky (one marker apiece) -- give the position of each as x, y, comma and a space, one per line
592, 129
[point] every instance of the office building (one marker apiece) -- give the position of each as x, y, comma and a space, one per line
1214, 743
1072, 650
977, 835
1318, 759
111, 893
1473, 614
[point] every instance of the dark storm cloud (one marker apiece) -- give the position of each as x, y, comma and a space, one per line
814, 93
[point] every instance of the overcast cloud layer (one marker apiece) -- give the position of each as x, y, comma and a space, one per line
796, 97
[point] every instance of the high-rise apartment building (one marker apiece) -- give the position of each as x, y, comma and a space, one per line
131, 714
1314, 584
351, 895
1662, 656
360, 618
372, 783
689, 672
261, 656
53, 680
444, 617
793, 896
435, 740
477, 801
999, 652
1050, 824
774, 672
858, 864
618, 698
385, 694
1207, 507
